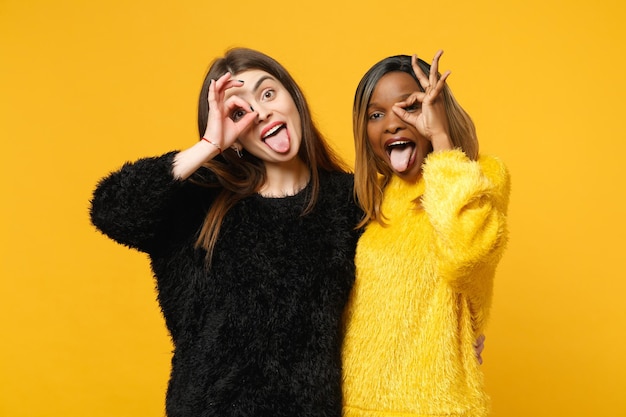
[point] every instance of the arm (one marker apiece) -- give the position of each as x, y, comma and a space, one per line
466, 202
131, 204
135, 203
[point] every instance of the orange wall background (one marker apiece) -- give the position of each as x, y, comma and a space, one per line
87, 85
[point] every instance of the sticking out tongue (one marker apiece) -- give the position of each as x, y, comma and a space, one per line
400, 157
279, 141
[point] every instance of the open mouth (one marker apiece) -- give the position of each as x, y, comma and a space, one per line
273, 131
277, 137
400, 154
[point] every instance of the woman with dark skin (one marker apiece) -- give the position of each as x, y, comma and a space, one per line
435, 217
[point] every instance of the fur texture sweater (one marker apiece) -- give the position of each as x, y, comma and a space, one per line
423, 291
259, 333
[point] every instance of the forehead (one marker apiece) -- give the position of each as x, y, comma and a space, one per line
251, 75
252, 81
393, 85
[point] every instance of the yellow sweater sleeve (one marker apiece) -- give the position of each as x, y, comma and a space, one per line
466, 202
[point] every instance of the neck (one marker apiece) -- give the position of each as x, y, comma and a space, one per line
285, 179
411, 179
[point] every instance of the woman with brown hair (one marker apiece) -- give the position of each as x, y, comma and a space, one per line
251, 235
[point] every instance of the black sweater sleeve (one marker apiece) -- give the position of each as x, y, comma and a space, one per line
134, 203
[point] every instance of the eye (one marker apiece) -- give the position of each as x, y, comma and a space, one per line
375, 115
237, 114
268, 94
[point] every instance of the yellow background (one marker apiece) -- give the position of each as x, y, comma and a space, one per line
87, 85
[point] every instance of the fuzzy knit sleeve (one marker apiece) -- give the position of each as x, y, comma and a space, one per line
131, 205
466, 202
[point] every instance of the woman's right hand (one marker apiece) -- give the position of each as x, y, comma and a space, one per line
228, 118
222, 128
432, 121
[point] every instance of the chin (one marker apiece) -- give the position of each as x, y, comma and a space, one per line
411, 175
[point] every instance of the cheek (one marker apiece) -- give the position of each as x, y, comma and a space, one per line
373, 136
371, 132
248, 137
296, 120
425, 146
298, 125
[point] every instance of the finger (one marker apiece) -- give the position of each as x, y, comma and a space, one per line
211, 96
245, 122
479, 344
434, 68
480, 339
403, 114
215, 92
398, 109
237, 102
224, 78
445, 76
422, 78
232, 83
478, 355
415, 97
221, 82
439, 86
479, 349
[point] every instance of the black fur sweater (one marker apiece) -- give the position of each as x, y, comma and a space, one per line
259, 333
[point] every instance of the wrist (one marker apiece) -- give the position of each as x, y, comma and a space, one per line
441, 142
215, 144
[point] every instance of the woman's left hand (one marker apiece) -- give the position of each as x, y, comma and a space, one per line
431, 122
479, 346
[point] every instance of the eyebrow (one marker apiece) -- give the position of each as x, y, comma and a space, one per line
401, 98
256, 85
260, 81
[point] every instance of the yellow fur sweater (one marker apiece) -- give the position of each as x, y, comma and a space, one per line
423, 291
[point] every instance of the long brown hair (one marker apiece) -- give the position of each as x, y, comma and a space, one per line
242, 177
371, 173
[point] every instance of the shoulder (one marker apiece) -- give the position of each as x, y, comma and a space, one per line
493, 166
151, 163
454, 163
499, 177
497, 172
144, 168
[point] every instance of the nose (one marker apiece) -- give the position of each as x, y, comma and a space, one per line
393, 123
263, 112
